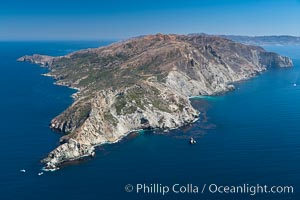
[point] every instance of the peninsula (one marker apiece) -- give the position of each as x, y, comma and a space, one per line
143, 83
275, 40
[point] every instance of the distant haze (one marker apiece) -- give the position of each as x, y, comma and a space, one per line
90, 20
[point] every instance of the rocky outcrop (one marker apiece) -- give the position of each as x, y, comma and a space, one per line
68, 151
43, 60
144, 83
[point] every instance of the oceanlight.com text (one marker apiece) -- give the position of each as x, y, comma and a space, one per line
164, 189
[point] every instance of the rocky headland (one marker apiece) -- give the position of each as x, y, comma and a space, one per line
143, 83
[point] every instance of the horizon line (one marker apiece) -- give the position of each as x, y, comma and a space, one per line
120, 39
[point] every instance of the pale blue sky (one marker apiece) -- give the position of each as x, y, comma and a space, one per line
88, 20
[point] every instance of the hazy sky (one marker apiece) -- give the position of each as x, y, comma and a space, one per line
112, 19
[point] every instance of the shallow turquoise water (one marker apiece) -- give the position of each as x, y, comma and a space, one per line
250, 135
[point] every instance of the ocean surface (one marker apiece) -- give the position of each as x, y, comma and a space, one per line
248, 136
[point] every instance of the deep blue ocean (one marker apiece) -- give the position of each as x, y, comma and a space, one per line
248, 136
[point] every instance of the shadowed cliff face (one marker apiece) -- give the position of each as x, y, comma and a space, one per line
144, 83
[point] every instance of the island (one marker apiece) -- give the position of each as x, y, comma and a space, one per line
275, 40
143, 83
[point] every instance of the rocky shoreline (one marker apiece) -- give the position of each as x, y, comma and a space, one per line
143, 83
